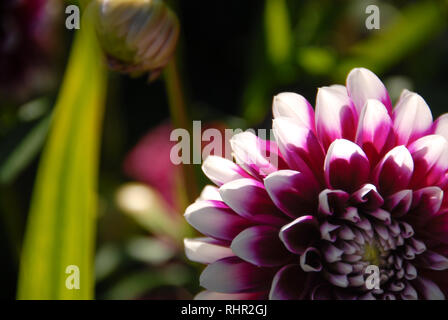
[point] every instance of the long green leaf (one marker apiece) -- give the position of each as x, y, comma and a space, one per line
61, 226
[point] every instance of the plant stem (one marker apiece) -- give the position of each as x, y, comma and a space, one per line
180, 119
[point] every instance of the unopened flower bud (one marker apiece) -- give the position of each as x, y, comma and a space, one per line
137, 36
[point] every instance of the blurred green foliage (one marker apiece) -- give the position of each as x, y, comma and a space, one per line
413, 27
233, 59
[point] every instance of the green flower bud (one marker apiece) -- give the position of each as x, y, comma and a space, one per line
137, 36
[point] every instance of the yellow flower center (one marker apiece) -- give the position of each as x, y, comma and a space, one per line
372, 254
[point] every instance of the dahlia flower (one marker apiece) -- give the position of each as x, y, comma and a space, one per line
357, 183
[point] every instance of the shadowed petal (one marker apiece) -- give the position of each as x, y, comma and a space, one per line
374, 133
335, 116
367, 197
215, 219
427, 289
430, 155
432, 260
437, 229
426, 203
294, 106
233, 275
327, 231
322, 292
332, 253
310, 260
261, 246
398, 204
412, 118
249, 199
363, 84
332, 201
346, 166
300, 147
289, 283
206, 250
221, 170
393, 173
298, 235
339, 280
293, 192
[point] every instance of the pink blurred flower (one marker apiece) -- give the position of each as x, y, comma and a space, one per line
149, 162
356, 183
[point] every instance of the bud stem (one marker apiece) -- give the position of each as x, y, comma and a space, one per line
179, 118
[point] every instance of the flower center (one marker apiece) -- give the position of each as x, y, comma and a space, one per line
359, 230
371, 254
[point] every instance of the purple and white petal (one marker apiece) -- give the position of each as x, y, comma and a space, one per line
289, 283
300, 147
254, 154
210, 193
362, 85
249, 199
299, 234
261, 246
430, 155
346, 166
426, 203
367, 197
221, 170
332, 201
233, 275
335, 116
427, 289
295, 107
292, 191
374, 134
399, 203
412, 118
394, 172
206, 250
440, 126
432, 260
215, 219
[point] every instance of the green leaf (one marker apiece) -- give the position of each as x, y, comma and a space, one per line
24, 152
61, 225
